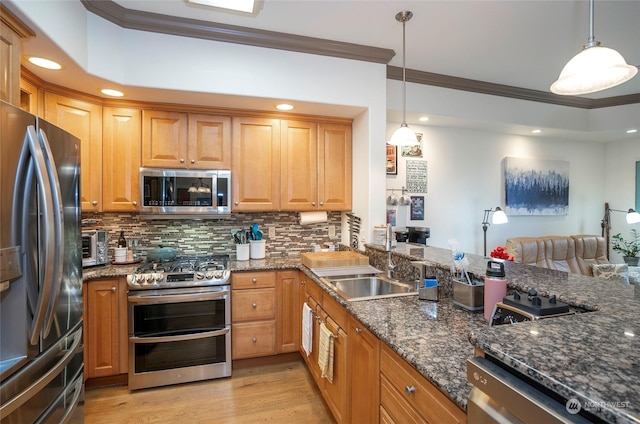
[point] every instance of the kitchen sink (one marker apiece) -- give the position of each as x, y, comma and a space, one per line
372, 287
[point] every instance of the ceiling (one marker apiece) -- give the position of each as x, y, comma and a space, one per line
522, 44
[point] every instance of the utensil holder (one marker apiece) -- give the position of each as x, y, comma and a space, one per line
468, 296
257, 249
242, 252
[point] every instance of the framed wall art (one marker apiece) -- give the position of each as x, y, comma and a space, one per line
417, 208
392, 160
536, 186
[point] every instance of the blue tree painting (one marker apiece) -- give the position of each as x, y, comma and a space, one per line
536, 186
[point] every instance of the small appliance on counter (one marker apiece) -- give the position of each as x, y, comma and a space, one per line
418, 234
94, 248
530, 307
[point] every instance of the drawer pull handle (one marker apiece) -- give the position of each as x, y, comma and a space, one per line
253, 305
113, 289
254, 280
254, 340
410, 390
358, 331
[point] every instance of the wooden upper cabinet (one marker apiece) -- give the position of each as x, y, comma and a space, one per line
12, 31
121, 136
164, 139
334, 169
209, 141
299, 165
83, 120
255, 164
185, 140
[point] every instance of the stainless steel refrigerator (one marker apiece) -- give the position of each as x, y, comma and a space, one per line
41, 366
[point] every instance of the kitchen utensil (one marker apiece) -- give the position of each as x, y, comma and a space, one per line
162, 253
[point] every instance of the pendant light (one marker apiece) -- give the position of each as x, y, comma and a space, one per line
594, 69
404, 136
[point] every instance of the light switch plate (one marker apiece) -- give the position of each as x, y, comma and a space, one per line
272, 231
332, 230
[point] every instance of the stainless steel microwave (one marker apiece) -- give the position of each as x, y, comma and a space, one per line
94, 247
168, 192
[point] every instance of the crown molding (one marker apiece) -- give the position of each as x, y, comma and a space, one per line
172, 25
464, 84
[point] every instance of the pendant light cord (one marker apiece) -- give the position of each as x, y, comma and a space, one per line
404, 74
592, 39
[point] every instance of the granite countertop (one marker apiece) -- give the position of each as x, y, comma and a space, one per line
593, 357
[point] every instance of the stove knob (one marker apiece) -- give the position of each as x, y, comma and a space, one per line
200, 275
158, 276
147, 278
536, 301
131, 279
209, 275
218, 274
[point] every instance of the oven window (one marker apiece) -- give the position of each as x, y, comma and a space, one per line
87, 247
172, 319
188, 353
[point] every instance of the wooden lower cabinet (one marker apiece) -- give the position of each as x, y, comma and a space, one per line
253, 314
105, 327
289, 314
406, 396
364, 372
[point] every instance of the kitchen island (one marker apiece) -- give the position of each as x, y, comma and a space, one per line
592, 356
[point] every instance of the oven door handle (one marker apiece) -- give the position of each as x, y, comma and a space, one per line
181, 338
176, 298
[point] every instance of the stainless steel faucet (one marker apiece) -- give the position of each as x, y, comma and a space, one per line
388, 245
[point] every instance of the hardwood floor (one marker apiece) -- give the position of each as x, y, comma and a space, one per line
279, 393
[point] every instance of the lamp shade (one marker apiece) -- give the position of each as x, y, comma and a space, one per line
499, 217
593, 69
404, 136
633, 217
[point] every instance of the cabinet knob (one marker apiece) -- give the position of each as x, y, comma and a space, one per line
236, 203
253, 305
358, 331
313, 203
410, 390
254, 280
193, 161
321, 203
113, 289
134, 203
254, 340
94, 203
181, 160
303, 282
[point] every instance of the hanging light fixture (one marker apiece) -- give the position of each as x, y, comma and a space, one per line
594, 69
404, 136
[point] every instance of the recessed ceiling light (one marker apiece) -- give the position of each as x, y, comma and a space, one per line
45, 63
237, 5
632, 131
536, 131
284, 106
111, 92
423, 119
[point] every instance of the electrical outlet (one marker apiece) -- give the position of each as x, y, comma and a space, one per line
332, 230
272, 231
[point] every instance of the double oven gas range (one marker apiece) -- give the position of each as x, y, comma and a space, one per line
179, 321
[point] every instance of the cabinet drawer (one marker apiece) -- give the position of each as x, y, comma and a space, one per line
416, 391
336, 311
250, 340
253, 305
251, 280
312, 289
397, 408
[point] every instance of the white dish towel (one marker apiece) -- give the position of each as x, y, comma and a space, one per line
307, 328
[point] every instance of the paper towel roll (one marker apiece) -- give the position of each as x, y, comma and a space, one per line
307, 218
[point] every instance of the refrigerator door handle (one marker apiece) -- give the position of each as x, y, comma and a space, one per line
11, 405
57, 246
32, 161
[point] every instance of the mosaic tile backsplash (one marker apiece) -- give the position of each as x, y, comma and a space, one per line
214, 235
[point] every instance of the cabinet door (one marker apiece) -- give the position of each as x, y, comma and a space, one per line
253, 305
299, 166
289, 313
209, 142
364, 373
253, 339
84, 120
335, 393
121, 159
164, 139
334, 170
103, 325
255, 164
